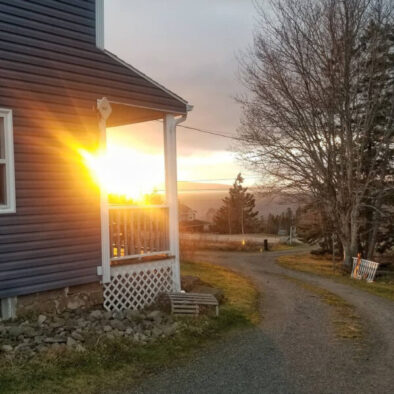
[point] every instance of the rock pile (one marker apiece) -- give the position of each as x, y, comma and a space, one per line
76, 329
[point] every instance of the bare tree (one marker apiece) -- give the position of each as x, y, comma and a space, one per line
313, 104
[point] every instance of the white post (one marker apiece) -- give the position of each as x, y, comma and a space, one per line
171, 191
105, 110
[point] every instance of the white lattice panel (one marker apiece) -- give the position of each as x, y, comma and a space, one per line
364, 269
137, 286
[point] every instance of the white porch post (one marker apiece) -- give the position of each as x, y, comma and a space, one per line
105, 110
170, 124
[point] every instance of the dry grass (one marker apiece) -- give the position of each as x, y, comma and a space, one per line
346, 321
240, 293
277, 247
323, 267
190, 247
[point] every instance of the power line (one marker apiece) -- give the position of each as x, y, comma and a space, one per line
219, 179
212, 132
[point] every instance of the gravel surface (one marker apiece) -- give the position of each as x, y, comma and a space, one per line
294, 349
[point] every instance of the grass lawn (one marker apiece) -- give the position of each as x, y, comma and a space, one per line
118, 364
241, 294
188, 247
323, 267
277, 247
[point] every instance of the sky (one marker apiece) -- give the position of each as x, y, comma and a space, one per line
191, 47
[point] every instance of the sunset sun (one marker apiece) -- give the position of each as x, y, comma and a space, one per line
129, 167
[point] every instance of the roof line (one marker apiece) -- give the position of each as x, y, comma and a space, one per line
141, 74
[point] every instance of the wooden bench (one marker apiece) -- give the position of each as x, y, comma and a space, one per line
189, 303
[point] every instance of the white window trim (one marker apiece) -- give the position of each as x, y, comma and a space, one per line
10, 207
100, 24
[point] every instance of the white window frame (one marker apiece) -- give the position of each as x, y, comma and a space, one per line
10, 206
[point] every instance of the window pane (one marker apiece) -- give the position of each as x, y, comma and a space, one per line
3, 193
2, 156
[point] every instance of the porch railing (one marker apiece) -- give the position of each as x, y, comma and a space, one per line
138, 231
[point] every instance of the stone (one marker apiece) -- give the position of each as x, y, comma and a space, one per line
6, 348
68, 330
56, 325
75, 304
81, 322
80, 348
71, 342
117, 325
14, 331
154, 315
117, 333
29, 332
54, 340
42, 348
76, 335
170, 329
133, 315
156, 332
119, 315
38, 339
41, 319
136, 337
22, 347
107, 315
59, 320
96, 315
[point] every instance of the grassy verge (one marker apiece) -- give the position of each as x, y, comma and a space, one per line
277, 247
323, 267
240, 293
119, 364
347, 323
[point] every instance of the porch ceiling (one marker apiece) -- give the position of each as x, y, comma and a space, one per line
123, 114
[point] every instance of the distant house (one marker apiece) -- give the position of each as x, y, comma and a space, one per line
60, 88
186, 214
195, 226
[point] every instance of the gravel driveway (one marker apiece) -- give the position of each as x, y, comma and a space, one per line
294, 349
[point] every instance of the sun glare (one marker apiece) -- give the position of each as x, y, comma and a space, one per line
125, 169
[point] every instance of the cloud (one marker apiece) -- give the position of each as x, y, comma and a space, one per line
190, 47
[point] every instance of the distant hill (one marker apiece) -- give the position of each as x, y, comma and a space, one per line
203, 196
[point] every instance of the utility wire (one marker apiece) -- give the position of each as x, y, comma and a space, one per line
219, 179
212, 132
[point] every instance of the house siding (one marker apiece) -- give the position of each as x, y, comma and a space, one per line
51, 75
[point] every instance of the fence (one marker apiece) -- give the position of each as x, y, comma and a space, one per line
136, 231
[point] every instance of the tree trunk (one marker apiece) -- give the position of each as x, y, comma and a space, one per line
229, 220
242, 220
375, 227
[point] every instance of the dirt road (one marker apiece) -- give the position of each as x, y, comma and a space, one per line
294, 350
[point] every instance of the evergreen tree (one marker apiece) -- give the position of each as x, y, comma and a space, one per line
237, 214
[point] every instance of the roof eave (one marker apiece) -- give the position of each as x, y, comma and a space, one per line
153, 82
